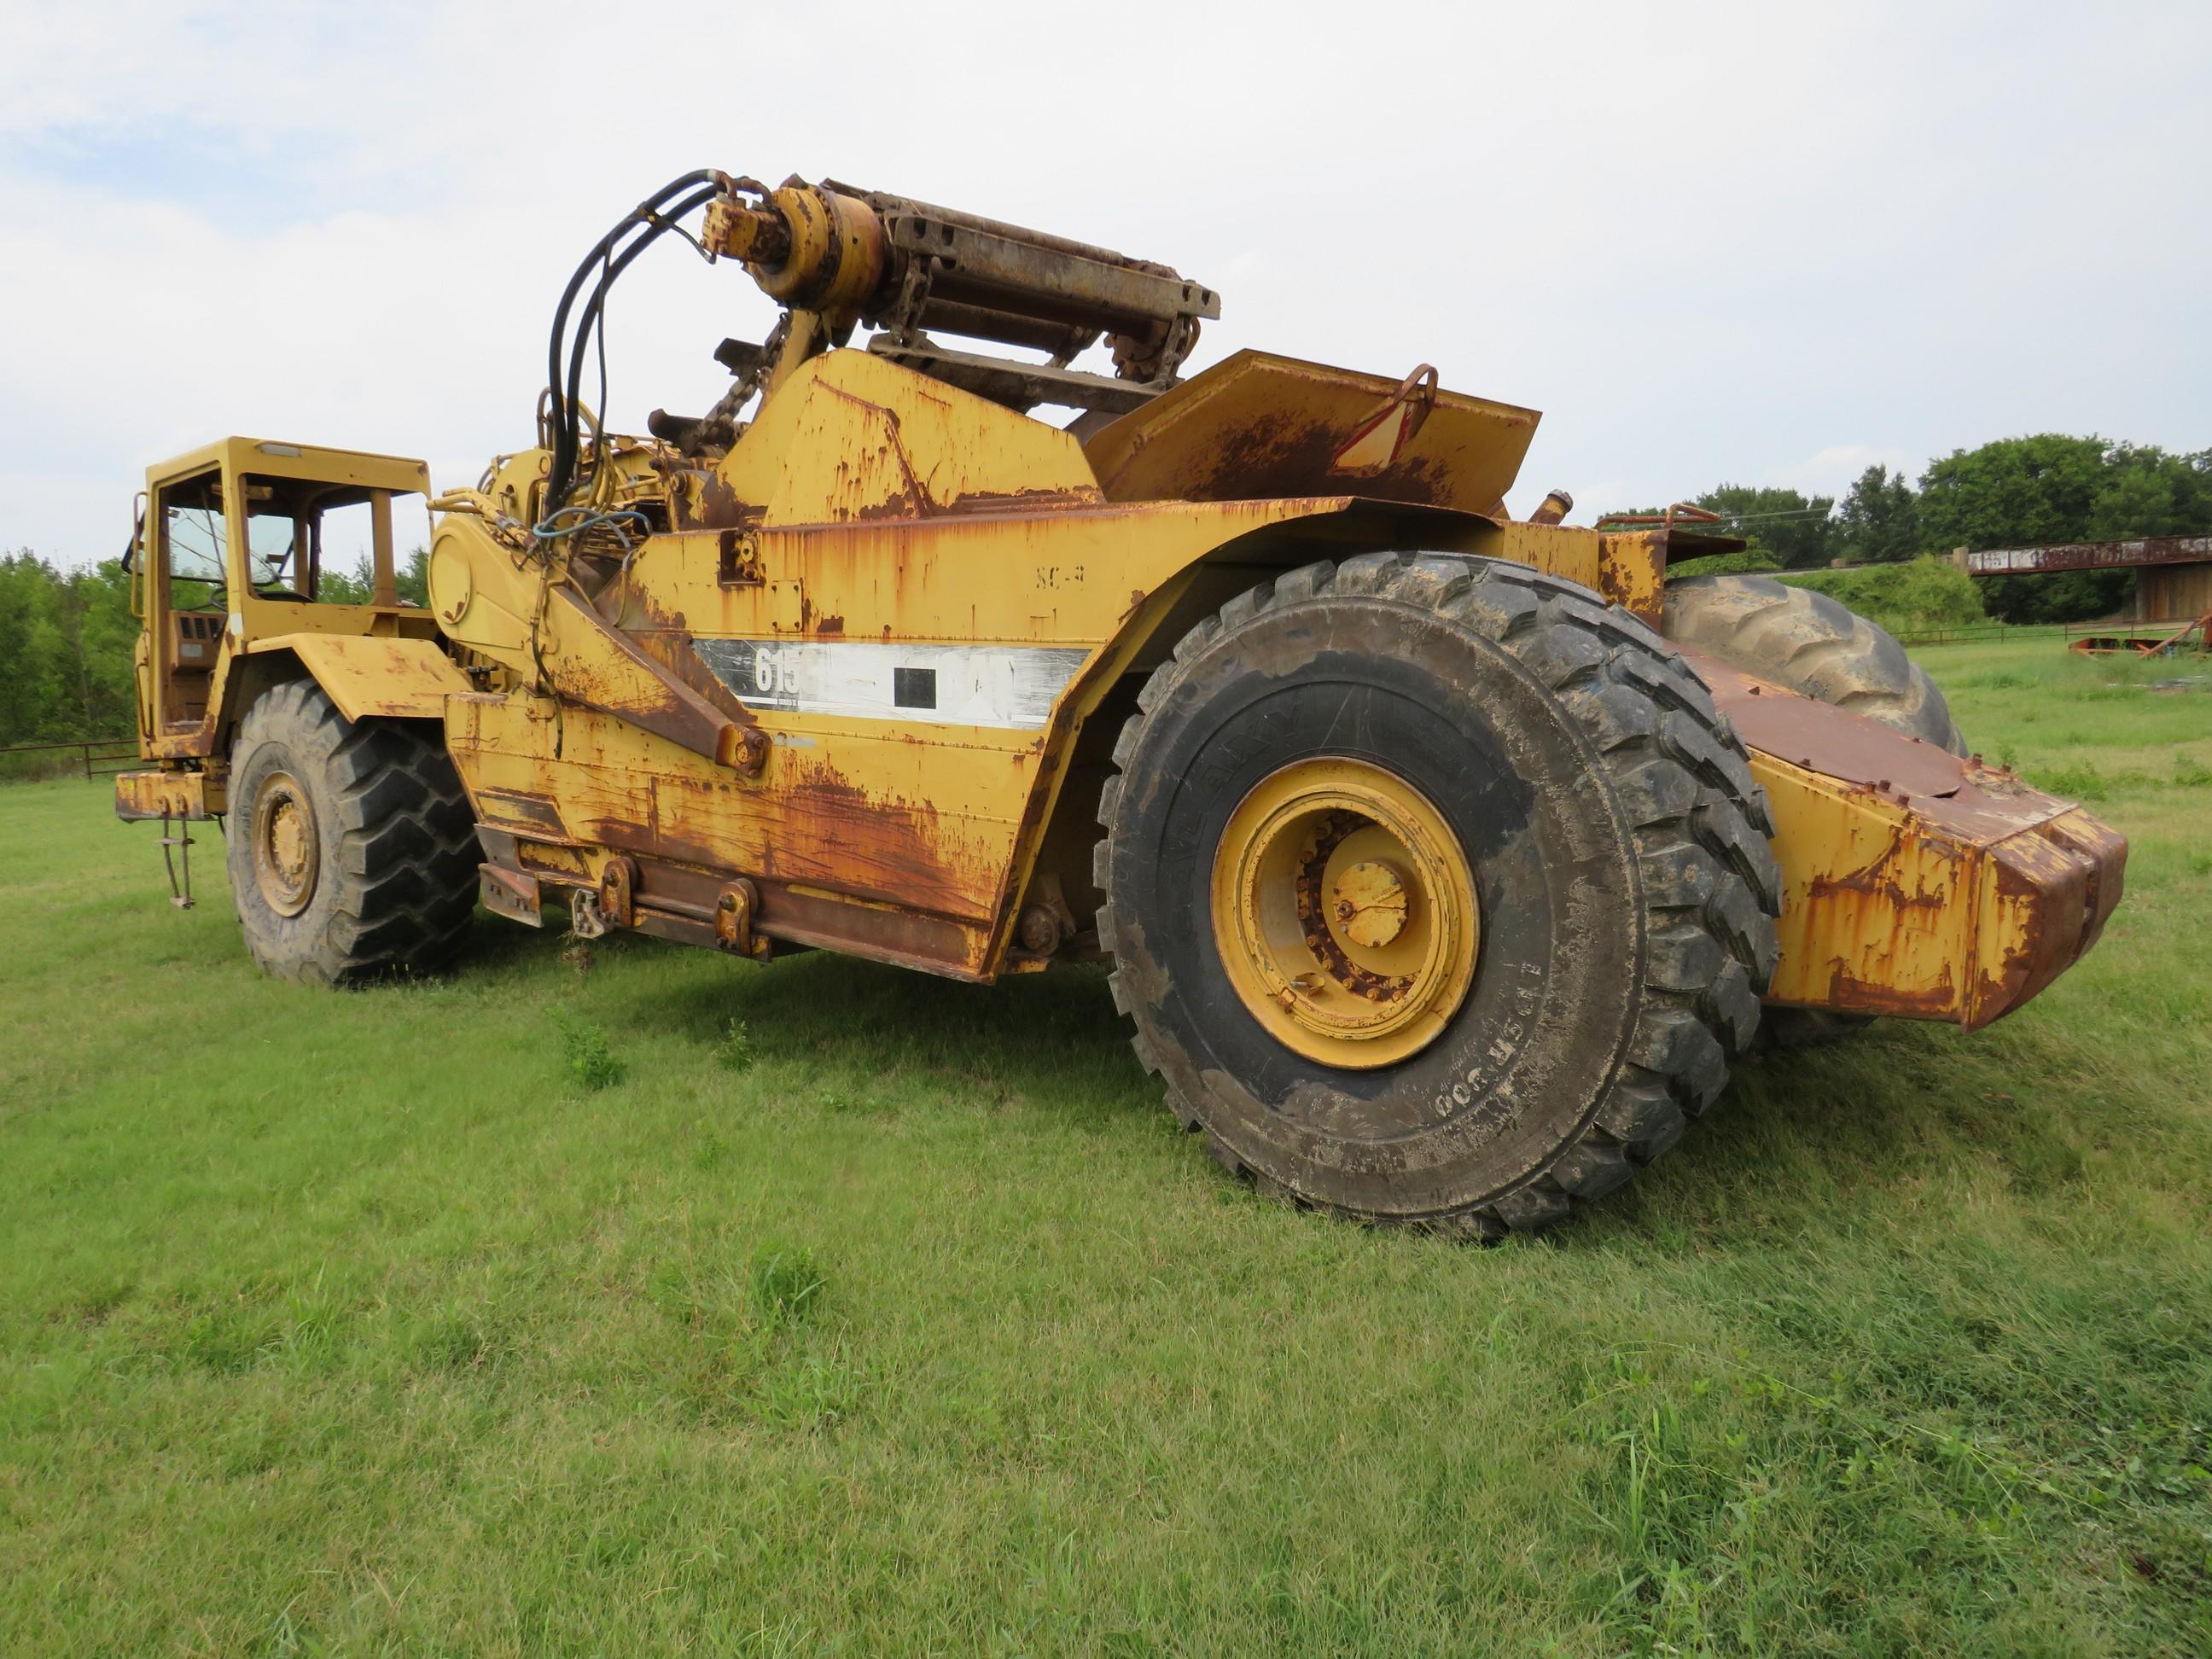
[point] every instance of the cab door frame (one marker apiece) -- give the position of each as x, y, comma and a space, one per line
169, 733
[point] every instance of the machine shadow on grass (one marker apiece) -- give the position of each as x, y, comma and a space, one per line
1044, 1037
1854, 1118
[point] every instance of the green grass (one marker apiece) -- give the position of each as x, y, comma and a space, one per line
659, 1304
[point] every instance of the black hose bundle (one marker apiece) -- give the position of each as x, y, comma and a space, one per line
611, 255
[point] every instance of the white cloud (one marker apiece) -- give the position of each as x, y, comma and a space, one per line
1713, 242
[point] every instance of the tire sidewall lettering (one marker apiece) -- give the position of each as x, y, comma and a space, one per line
1453, 714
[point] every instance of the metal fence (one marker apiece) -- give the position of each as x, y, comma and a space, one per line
1974, 632
101, 758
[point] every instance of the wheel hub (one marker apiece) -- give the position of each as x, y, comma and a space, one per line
1371, 903
286, 847
1345, 913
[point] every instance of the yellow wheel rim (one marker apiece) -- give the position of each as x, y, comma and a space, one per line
287, 850
1345, 913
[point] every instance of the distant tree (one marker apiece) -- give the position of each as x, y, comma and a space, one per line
33, 651
414, 577
1789, 530
2033, 491
356, 587
1798, 530
337, 585
1880, 518
2015, 492
103, 638
2148, 492
65, 649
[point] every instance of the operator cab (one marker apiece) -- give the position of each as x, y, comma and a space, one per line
247, 540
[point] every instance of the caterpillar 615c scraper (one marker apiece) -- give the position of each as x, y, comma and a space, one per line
1444, 860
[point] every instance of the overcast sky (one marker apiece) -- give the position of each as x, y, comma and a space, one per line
1761, 244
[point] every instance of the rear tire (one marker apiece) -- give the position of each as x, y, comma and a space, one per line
1620, 873
1822, 649
351, 846
1814, 646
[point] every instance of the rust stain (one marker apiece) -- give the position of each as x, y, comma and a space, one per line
665, 636
912, 501
814, 826
1849, 994
1024, 500
1879, 880
606, 669
2057, 886
716, 506
1277, 454
516, 809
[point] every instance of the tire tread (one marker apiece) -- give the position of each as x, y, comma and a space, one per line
1710, 885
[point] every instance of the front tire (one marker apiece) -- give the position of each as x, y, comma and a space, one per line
1472, 715
352, 847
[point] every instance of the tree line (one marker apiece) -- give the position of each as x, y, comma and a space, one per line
2015, 492
67, 640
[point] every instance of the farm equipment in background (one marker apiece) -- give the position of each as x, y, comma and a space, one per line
1444, 860
2151, 644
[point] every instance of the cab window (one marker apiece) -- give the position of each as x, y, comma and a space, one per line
194, 534
307, 540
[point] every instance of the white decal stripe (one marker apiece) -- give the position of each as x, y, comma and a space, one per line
1009, 686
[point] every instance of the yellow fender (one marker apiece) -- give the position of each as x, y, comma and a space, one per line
374, 677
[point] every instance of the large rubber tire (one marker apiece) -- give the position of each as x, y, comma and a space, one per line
1819, 648
386, 842
1812, 644
1618, 847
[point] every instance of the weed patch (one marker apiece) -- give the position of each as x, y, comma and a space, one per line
735, 1052
590, 1060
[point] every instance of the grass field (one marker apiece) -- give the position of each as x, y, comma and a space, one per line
863, 1313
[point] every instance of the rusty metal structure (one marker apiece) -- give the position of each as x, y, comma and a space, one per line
2174, 586
2159, 641
1439, 886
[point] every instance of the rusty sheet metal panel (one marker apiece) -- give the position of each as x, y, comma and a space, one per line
1915, 883
1629, 570
853, 436
1069, 577
2173, 593
374, 677
168, 794
510, 893
846, 815
1259, 425
923, 797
